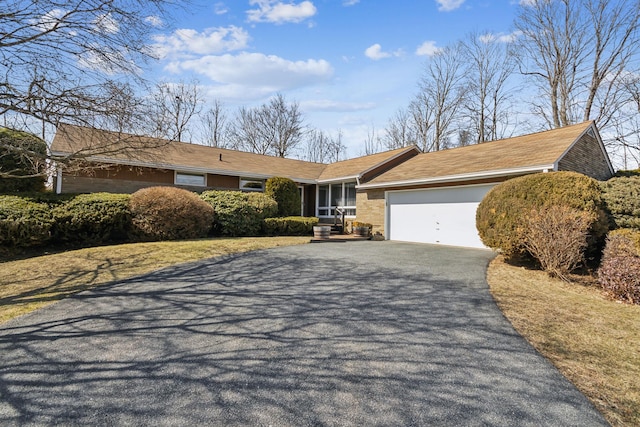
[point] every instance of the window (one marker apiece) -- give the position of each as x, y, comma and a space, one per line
196, 180
251, 184
341, 195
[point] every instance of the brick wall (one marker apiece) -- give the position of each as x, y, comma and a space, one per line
586, 157
370, 207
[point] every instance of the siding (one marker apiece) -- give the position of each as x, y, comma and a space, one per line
223, 182
586, 156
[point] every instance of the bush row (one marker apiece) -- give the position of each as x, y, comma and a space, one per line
155, 213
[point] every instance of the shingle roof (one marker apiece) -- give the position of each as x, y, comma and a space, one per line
102, 145
358, 165
153, 152
528, 151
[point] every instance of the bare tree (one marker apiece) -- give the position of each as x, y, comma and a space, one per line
490, 66
318, 146
400, 130
275, 128
175, 104
214, 124
337, 149
323, 148
57, 57
576, 52
372, 143
441, 94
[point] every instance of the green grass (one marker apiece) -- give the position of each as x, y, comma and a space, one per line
592, 340
28, 284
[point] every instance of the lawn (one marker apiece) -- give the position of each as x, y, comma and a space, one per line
28, 284
593, 341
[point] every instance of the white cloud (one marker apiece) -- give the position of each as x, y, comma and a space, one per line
154, 20
449, 5
500, 37
256, 71
49, 20
106, 24
209, 41
220, 8
278, 12
427, 48
528, 2
335, 106
375, 52
350, 2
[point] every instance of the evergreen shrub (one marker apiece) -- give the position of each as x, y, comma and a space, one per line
169, 213
285, 192
501, 216
21, 154
622, 197
290, 226
93, 219
238, 213
24, 223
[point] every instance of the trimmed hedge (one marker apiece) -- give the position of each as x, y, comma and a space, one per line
285, 192
12, 144
169, 213
93, 219
24, 223
619, 273
622, 197
500, 218
290, 226
239, 214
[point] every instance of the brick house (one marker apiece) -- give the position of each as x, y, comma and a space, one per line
407, 195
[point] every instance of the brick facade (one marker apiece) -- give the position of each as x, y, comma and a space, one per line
586, 157
370, 207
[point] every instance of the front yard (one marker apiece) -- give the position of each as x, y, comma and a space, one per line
593, 341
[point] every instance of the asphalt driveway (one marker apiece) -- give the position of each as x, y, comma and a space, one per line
366, 333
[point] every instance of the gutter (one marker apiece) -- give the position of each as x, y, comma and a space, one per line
460, 177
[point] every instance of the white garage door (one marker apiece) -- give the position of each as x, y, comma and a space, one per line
444, 215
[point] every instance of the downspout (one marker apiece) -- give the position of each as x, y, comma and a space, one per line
58, 181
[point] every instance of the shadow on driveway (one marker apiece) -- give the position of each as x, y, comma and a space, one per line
366, 333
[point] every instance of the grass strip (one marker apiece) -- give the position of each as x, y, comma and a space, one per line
593, 341
28, 284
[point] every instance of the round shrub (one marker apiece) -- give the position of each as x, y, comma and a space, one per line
169, 213
619, 273
501, 216
239, 214
285, 192
622, 197
13, 146
93, 219
24, 223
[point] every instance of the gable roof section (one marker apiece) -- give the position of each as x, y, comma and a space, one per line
512, 156
103, 146
357, 167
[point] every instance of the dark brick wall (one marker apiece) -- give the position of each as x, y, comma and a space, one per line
586, 157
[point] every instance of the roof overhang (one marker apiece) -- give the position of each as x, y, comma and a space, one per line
338, 179
182, 168
460, 177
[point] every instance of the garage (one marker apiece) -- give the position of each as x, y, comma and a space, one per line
444, 216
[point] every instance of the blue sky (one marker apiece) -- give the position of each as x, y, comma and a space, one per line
350, 64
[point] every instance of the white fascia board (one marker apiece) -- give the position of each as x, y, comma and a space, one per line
460, 177
190, 169
336, 180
